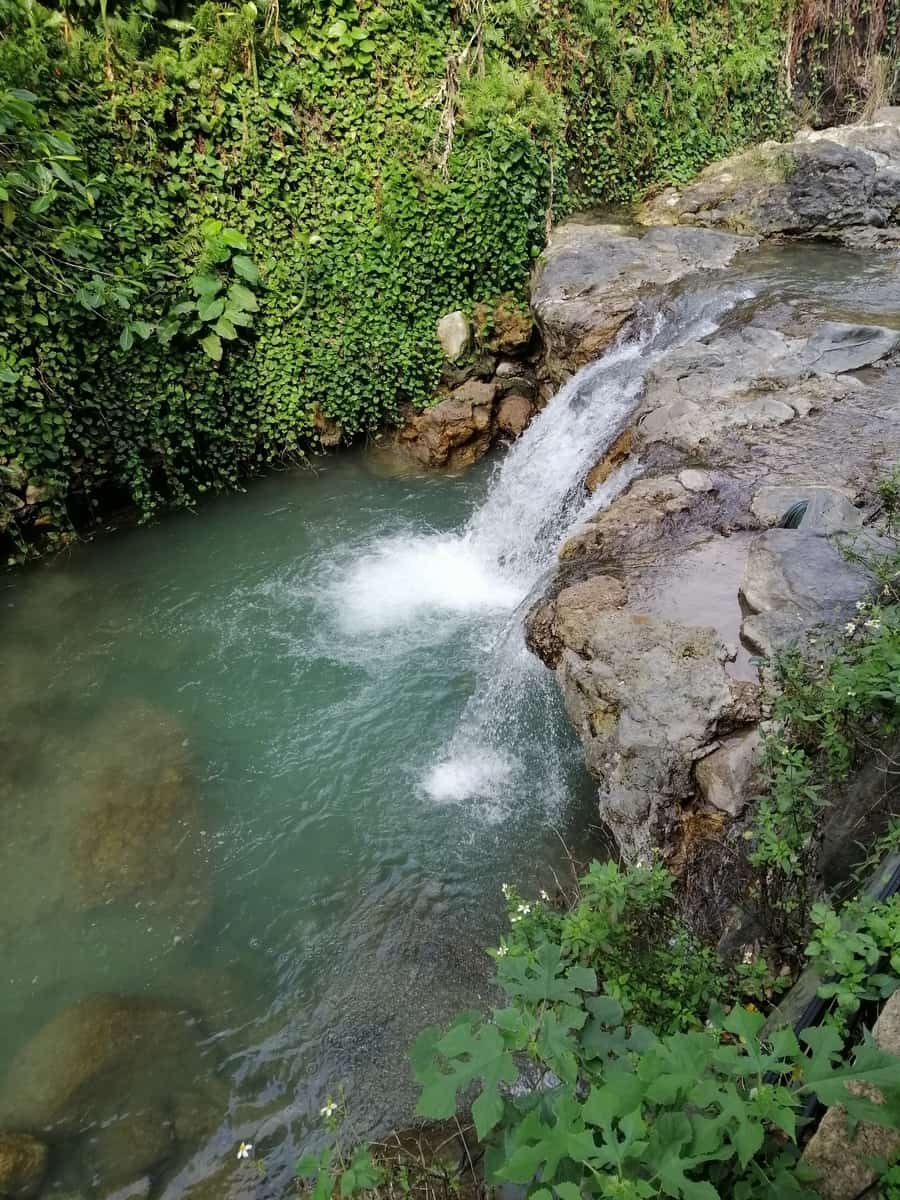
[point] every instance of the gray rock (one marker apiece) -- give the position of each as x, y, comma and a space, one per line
726, 778
455, 432
645, 695
829, 183
839, 1160
589, 280
453, 334
837, 347
796, 579
828, 509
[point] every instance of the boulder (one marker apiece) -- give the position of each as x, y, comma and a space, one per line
513, 415
23, 1165
510, 328
645, 695
76, 1070
137, 836
828, 510
832, 183
453, 334
795, 580
590, 279
726, 778
636, 516
843, 1162
455, 432
120, 1151
330, 433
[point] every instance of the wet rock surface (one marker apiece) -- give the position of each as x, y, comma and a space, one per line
842, 182
23, 1165
591, 278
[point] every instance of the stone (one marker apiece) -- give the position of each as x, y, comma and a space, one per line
794, 580
552, 625
830, 183
134, 1144
636, 516
828, 509
727, 777
696, 481
511, 329
74, 1071
513, 415
590, 278
23, 1165
137, 835
516, 377
455, 432
453, 334
836, 347
618, 453
840, 1162
645, 695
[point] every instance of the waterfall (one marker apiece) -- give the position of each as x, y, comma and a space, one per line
419, 587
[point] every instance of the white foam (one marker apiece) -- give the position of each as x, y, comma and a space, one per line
399, 580
477, 773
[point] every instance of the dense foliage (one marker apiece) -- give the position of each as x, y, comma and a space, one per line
224, 227
615, 1098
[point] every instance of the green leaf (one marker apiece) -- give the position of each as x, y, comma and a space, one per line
246, 268
126, 338
224, 328
210, 310
461, 1056
241, 297
234, 239
206, 285
361, 1175
521, 979
213, 347
7, 375
142, 328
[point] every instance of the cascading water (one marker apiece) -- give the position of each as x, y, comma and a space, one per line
496, 561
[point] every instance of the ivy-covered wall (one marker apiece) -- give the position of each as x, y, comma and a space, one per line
263, 211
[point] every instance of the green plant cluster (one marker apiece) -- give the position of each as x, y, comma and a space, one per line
830, 713
574, 1096
856, 950
377, 163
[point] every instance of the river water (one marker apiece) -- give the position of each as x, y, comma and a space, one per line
265, 769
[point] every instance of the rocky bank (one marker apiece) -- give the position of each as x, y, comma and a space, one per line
664, 602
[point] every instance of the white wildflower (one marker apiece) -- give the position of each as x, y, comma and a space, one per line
860, 605
505, 889
545, 897
850, 692
328, 1109
502, 951
873, 624
524, 909
850, 628
245, 1149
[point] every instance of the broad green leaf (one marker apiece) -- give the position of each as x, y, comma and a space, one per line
245, 267
8, 375
210, 310
213, 347
242, 297
234, 239
206, 285
618, 1095
126, 338
463, 1055
224, 328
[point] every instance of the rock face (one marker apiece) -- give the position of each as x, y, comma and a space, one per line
590, 279
841, 182
843, 1172
454, 433
753, 378
726, 777
23, 1165
645, 695
796, 580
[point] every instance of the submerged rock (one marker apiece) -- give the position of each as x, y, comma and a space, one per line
837, 182
23, 1165
590, 279
76, 1070
137, 837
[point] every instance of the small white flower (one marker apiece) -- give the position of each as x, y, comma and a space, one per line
328, 1109
850, 628
753, 1093
873, 624
505, 889
524, 909
860, 605
850, 692
514, 920
545, 897
502, 951
245, 1149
